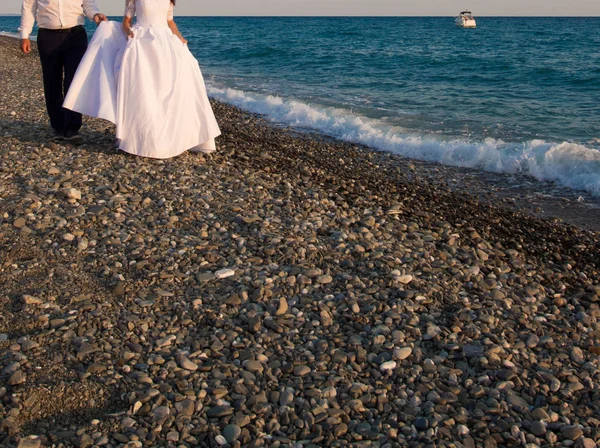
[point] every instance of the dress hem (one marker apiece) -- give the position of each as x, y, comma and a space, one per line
195, 149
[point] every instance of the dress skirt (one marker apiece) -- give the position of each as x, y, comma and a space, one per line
150, 86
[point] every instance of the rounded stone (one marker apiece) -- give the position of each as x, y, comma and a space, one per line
533, 341
73, 193
282, 308
324, 279
254, 366
571, 432
577, 355
540, 414
30, 442
405, 279
421, 424
402, 353
205, 277
224, 273
301, 370
340, 430
16, 378
19, 223
287, 396
186, 364
232, 433
538, 428
388, 366
161, 413
588, 443
462, 430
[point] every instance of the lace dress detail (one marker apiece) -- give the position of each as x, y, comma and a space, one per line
130, 9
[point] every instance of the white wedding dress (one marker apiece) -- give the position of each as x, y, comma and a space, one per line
150, 86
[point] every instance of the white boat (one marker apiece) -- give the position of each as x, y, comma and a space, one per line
466, 20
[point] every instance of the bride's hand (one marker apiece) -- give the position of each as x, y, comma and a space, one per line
185, 42
129, 33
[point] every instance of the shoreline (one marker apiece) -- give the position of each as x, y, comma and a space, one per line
287, 288
518, 191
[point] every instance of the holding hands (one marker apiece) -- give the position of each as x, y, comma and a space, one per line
98, 18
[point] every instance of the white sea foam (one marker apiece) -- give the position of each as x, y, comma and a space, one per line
572, 165
9, 34
14, 35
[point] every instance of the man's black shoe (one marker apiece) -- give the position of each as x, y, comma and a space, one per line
56, 136
73, 137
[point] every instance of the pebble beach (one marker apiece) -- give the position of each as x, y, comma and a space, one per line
289, 290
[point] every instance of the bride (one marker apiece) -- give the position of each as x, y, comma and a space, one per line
144, 79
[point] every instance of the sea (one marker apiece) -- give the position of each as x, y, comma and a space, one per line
514, 95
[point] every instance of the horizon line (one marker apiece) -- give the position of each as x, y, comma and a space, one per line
352, 15
7, 14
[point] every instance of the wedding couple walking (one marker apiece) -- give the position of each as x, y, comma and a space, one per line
141, 76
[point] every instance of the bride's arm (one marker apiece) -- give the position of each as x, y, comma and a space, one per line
128, 17
127, 26
173, 25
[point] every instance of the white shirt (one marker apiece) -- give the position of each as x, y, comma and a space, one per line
55, 14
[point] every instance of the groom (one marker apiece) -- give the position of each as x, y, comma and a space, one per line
62, 42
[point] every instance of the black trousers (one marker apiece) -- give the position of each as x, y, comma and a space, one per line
61, 52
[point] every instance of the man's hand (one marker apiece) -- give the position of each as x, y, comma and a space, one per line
26, 46
100, 18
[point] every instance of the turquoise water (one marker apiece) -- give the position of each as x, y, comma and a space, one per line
515, 94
